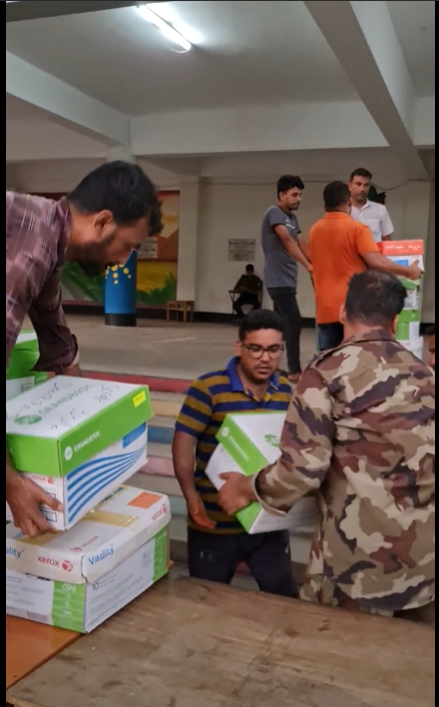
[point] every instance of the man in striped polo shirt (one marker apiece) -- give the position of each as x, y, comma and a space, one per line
217, 543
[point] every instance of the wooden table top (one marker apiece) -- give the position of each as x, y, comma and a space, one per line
191, 644
29, 645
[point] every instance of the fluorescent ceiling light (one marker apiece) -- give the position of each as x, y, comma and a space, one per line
165, 26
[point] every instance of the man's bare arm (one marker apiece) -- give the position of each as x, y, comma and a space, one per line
380, 262
292, 247
303, 244
183, 455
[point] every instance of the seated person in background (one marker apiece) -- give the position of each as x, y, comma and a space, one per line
249, 288
361, 433
340, 248
431, 333
217, 543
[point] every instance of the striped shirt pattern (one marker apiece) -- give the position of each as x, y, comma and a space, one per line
209, 400
37, 232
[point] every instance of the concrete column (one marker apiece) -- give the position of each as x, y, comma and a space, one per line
416, 226
121, 283
188, 239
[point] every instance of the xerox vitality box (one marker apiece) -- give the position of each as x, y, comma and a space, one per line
79, 439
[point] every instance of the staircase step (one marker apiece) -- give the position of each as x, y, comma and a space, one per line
158, 466
166, 485
166, 408
159, 451
161, 430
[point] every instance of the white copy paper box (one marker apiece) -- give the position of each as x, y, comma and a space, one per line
79, 440
109, 534
247, 444
82, 608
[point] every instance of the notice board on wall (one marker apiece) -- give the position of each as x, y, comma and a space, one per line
242, 250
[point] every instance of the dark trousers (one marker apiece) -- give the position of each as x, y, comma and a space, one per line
330, 336
247, 298
215, 558
285, 304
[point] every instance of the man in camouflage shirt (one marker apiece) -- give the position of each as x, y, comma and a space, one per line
360, 432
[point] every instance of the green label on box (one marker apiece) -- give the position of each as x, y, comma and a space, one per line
242, 450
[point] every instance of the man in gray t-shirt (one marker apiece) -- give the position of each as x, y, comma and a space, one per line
283, 251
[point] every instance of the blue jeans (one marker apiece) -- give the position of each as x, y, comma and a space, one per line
330, 336
215, 558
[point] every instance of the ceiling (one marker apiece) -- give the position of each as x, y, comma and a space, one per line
249, 53
17, 109
415, 24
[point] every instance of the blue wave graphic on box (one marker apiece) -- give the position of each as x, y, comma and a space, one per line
134, 435
96, 475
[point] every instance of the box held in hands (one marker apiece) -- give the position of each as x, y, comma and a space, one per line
78, 439
247, 444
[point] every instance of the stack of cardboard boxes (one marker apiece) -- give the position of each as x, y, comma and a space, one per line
80, 440
409, 323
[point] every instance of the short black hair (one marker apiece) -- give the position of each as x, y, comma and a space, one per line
375, 298
250, 268
431, 330
288, 182
361, 172
336, 194
122, 188
258, 320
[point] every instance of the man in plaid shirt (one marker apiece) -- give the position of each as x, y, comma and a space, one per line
98, 225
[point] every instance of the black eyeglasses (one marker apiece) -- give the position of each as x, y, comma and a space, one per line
258, 352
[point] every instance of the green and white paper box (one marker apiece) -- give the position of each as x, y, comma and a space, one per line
83, 607
21, 376
104, 538
78, 439
408, 327
416, 346
247, 444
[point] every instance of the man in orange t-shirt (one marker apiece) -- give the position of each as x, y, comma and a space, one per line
340, 248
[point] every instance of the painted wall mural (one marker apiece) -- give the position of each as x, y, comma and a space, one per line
157, 265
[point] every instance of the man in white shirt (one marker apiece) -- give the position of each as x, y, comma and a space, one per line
368, 212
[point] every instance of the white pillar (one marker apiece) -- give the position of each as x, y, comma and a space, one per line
417, 226
188, 239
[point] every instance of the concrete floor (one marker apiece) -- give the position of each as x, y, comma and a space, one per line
157, 349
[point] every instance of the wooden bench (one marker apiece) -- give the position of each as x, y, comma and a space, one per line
193, 643
29, 645
185, 307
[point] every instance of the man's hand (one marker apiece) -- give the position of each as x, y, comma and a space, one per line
237, 493
25, 499
197, 512
414, 271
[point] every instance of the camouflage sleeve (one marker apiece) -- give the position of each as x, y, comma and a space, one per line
306, 447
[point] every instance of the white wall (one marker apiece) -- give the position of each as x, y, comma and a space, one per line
232, 207
235, 210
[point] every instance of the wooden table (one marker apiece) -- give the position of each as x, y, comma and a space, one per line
191, 644
30, 645
185, 307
